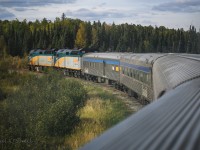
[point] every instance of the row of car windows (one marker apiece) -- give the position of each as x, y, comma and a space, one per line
100, 65
138, 75
91, 64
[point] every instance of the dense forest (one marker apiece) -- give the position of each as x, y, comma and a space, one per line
19, 37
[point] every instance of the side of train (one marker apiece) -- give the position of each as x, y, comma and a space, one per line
145, 76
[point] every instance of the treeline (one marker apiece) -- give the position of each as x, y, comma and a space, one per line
17, 38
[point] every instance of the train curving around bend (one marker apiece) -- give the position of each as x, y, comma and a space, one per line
145, 76
172, 122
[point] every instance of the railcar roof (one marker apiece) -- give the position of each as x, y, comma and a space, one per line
105, 55
167, 116
32, 51
191, 56
38, 50
144, 57
61, 50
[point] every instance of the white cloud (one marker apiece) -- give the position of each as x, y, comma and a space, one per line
179, 6
4, 14
144, 12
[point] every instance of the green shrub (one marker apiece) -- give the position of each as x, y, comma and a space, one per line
2, 94
43, 107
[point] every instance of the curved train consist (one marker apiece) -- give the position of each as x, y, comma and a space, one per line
145, 76
172, 122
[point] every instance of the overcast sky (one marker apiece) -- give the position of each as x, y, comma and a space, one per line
169, 13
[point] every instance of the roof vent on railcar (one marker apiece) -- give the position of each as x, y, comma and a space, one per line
75, 52
48, 52
88, 50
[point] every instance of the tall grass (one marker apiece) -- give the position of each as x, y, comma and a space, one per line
10, 79
102, 111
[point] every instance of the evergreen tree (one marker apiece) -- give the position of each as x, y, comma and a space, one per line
20, 37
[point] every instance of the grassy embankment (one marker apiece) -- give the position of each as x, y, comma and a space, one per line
101, 111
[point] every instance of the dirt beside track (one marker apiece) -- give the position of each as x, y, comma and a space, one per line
132, 103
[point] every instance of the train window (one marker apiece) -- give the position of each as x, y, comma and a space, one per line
117, 68
131, 72
144, 77
140, 76
126, 71
74, 52
134, 73
148, 79
122, 70
137, 75
113, 68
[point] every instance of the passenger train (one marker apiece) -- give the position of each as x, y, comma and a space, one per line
172, 122
145, 76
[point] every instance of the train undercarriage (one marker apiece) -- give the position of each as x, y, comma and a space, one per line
88, 77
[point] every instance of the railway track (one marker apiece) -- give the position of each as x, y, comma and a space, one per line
133, 105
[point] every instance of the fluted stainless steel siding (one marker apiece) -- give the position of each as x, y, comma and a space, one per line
172, 70
171, 123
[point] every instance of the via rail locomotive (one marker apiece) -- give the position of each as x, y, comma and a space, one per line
145, 76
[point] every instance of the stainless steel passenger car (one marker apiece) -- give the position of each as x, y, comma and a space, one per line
174, 69
102, 66
136, 74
